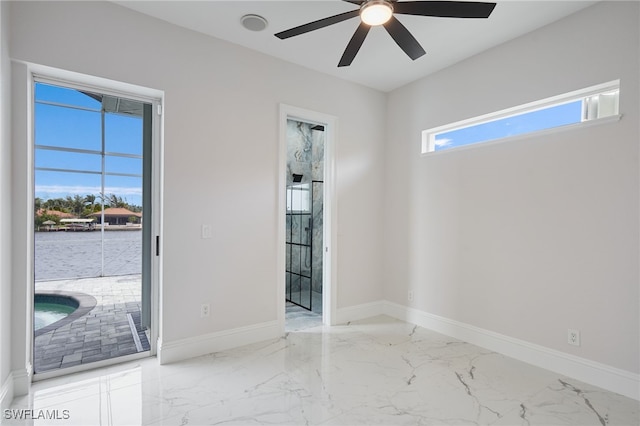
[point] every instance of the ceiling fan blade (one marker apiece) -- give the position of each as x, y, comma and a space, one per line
354, 45
358, 2
445, 9
315, 25
403, 37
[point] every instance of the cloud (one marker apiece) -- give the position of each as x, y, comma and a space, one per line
64, 190
443, 142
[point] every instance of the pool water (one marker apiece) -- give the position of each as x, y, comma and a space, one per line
48, 313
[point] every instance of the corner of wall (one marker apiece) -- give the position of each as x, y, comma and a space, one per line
610, 378
19, 280
6, 379
16, 384
6, 392
21, 381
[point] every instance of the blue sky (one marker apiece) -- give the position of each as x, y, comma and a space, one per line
556, 116
81, 129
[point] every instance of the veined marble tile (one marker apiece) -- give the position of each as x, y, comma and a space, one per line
567, 401
377, 371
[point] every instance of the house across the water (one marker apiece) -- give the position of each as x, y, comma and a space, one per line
118, 216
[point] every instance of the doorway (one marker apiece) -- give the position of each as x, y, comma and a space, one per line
307, 188
304, 247
93, 226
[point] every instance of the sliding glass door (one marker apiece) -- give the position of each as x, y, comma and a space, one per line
92, 217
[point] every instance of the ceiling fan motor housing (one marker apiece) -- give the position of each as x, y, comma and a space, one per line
376, 12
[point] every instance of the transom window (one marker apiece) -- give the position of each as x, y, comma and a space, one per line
573, 108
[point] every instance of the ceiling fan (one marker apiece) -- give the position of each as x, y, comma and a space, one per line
380, 12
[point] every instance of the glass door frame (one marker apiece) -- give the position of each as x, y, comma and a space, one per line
152, 238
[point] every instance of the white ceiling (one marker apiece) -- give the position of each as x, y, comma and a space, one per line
380, 63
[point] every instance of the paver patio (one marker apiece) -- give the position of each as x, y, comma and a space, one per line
111, 329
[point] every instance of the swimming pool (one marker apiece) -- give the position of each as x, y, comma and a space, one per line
49, 309
48, 313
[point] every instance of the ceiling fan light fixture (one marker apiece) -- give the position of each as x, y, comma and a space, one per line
376, 12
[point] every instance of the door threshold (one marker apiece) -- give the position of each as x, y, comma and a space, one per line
59, 372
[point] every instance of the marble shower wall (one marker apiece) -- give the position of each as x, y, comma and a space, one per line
305, 156
305, 152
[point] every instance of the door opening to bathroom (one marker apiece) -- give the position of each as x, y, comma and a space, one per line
306, 255
304, 216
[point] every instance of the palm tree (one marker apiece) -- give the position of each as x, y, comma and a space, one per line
90, 203
90, 199
55, 204
114, 201
75, 204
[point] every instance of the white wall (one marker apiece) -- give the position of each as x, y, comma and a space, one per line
526, 239
5, 211
531, 237
221, 155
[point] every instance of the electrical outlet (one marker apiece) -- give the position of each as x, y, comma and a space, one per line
410, 296
205, 310
573, 337
206, 231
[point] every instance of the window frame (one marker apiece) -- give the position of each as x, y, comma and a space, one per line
102, 152
429, 135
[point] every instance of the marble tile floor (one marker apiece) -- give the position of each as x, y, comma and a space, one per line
378, 371
298, 318
105, 332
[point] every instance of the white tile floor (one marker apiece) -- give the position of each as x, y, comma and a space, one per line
376, 371
298, 318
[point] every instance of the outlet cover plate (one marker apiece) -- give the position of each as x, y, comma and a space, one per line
573, 337
206, 231
205, 310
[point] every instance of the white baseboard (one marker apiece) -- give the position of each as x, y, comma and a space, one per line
209, 343
602, 375
16, 384
6, 393
21, 381
358, 312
